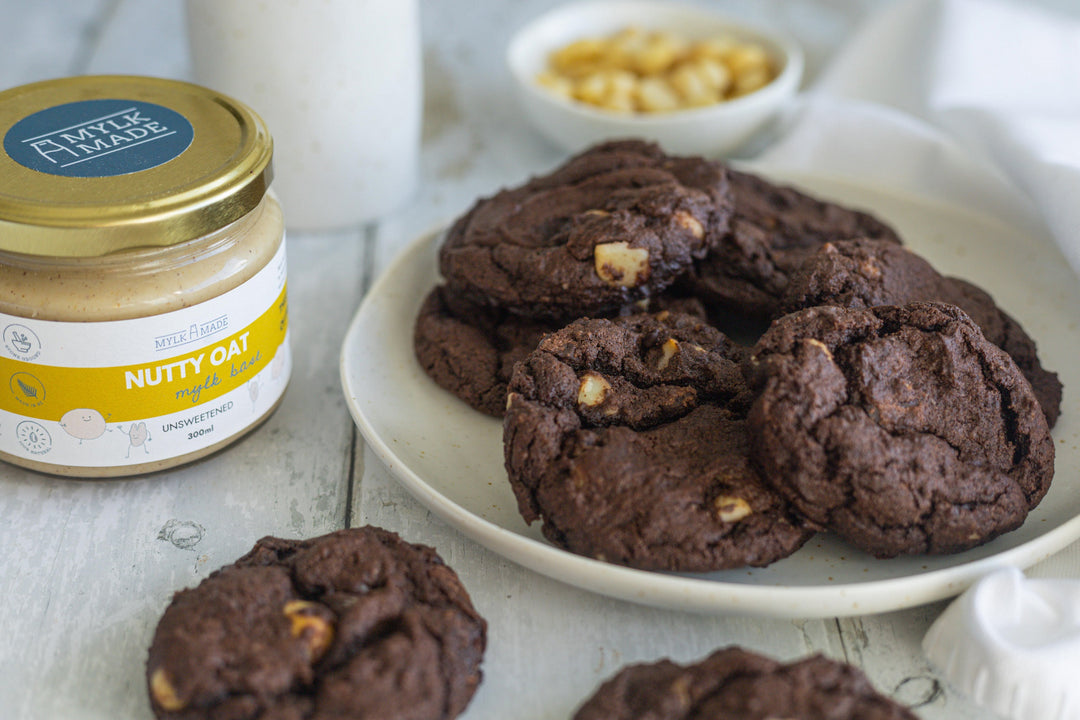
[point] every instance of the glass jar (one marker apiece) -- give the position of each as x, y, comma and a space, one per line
143, 312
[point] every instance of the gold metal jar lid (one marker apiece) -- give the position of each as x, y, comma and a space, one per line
94, 164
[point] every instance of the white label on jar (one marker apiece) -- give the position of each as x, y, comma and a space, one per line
128, 392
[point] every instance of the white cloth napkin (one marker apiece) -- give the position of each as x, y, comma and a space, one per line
975, 102
1013, 645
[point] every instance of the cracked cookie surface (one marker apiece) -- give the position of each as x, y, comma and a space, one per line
773, 229
628, 438
470, 349
900, 428
863, 273
735, 684
613, 225
355, 624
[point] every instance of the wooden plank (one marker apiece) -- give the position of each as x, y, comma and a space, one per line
141, 38
888, 648
48, 38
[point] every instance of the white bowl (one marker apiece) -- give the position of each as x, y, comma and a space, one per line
713, 131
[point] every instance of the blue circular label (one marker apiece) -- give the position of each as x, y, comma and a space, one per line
98, 138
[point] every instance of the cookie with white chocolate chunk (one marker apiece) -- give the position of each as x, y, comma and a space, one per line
354, 624
628, 438
470, 349
613, 225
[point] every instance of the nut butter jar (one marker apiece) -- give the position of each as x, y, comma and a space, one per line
143, 314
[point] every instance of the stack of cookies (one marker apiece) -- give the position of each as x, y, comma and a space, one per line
603, 235
897, 408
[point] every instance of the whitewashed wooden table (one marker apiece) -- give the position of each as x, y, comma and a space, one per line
88, 566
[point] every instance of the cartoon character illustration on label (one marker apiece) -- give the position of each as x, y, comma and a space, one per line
277, 365
84, 424
253, 391
138, 435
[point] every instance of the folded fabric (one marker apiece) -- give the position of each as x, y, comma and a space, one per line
975, 102
1012, 645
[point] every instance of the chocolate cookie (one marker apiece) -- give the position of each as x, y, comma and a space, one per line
901, 428
628, 437
864, 273
772, 230
614, 224
354, 624
470, 349
735, 684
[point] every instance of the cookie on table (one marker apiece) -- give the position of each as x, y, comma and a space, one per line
615, 224
900, 428
628, 438
864, 273
470, 349
354, 624
773, 229
736, 684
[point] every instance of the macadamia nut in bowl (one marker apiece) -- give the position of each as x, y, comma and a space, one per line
691, 80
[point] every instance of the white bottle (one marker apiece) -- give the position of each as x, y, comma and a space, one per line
339, 84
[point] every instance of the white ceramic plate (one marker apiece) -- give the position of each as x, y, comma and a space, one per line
450, 456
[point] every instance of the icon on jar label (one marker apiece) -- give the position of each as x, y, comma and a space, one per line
21, 342
27, 389
33, 437
98, 138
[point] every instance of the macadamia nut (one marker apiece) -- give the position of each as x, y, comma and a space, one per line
593, 390
731, 509
619, 264
307, 623
634, 71
163, 692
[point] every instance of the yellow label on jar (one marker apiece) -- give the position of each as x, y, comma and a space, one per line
81, 394
135, 392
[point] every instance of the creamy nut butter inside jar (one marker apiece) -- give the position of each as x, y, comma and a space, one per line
143, 314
